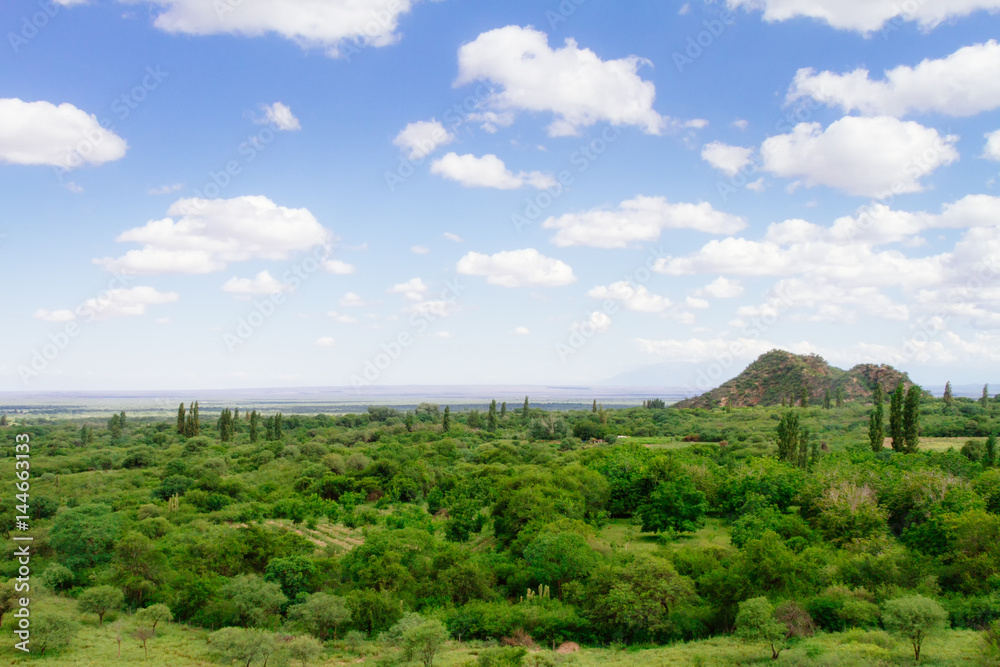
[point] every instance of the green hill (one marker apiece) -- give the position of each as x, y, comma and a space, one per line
778, 375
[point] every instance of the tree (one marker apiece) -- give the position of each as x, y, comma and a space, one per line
558, 558
593, 408
990, 453
321, 613
491, 418
254, 598
840, 397
100, 600
948, 398
304, 649
755, 622
181, 413
675, 504
8, 598
372, 610
154, 614
524, 411
225, 425
827, 400
911, 420
423, 641
788, 436
3, 420
503, 410
84, 536
896, 419
990, 648
144, 633
254, 426
242, 645
985, 400
876, 431
51, 632
446, 420
115, 427
914, 617
804, 398
294, 574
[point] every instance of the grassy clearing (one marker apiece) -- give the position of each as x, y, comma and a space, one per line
943, 444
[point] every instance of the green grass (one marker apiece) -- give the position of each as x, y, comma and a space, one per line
943, 444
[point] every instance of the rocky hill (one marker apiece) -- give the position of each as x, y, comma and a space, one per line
778, 375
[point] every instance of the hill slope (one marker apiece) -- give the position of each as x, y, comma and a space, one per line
778, 375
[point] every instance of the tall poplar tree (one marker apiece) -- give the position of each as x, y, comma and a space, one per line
896, 418
446, 421
876, 428
911, 420
948, 398
181, 412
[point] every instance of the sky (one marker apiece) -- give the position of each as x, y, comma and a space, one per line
263, 193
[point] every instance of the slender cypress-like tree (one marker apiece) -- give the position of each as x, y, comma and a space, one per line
840, 397
985, 400
593, 408
197, 420
254, 426
876, 428
491, 418
788, 436
948, 398
896, 418
804, 398
503, 410
446, 421
524, 411
990, 455
180, 419
911, 420
826, 399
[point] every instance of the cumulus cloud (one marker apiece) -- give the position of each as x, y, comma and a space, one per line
339, 268
281, 117
699, 350
352, 300
325, 24
55, 315
262, 283
422, 138
452, 237
866, 16
727, 159
517, 268
572, 83
41, 133
722, 288
420, 249
964, 84
165, 189
992, 150
640, 219
205, 235
326, 341
113, 303
634, 298
434, 309
413, 289
860, 156
488, 171
343, 319
522, 331
598, 322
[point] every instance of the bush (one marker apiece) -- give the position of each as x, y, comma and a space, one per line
506, 656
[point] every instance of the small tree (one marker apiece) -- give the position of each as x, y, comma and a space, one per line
876, 430
525, 411
948, 398
321, 613
100, 600
154, 614
990, 453
304, 648
911, 420
913, 617
788, 436
755, 622
181, 421
51, 632
423, 641
144, 633
990, 648
242, 645
985, 400
446, 420
896, 418
119, 629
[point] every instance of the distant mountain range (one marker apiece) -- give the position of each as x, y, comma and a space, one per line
778, 375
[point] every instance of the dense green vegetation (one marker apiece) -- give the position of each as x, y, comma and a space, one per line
652, 535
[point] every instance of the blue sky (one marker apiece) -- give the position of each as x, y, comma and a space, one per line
252, 193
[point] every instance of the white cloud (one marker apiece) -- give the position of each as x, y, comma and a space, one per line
639, 219
74, 187
165, 189
343, 319
992, 150
55, 315
420, 249
598, 322
262, 283
696, 303
685, 9
699, 350
488, 171
413, 289
964, 84
433, 309
452, 237
727, 159
574, 84
326, 341
443, 334
741, 124
522, 331
423, 138
722, 288
325, 24
517, 268
125, 302
204, 236
41, 133
866, 16
281, 116
634, 298
352, 300
339, 268
860, 156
